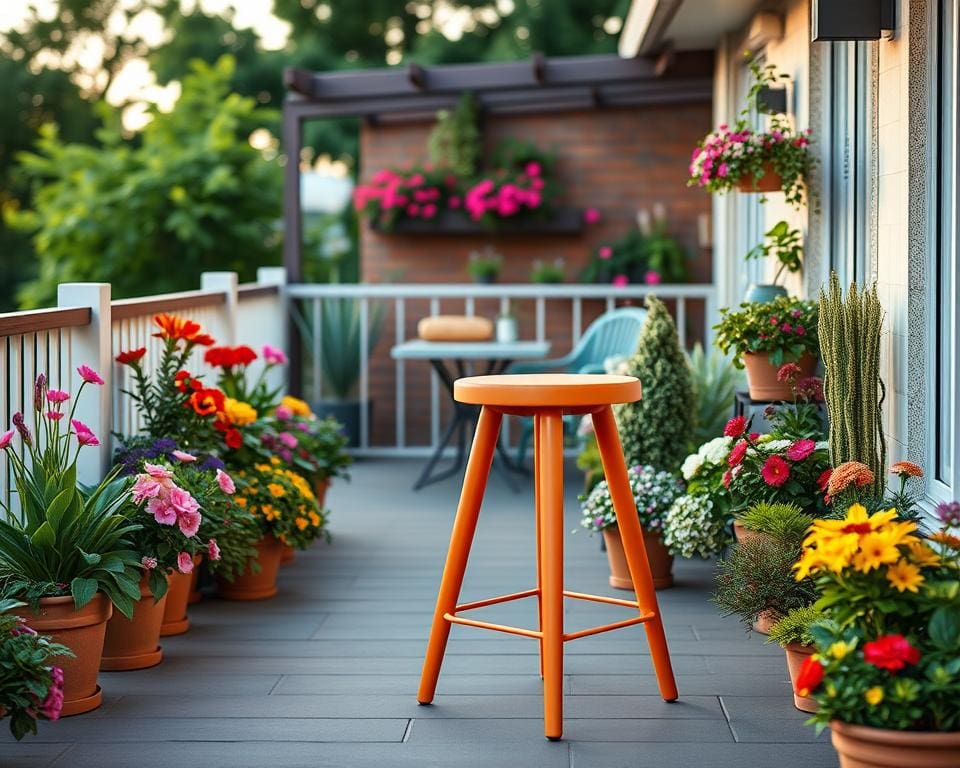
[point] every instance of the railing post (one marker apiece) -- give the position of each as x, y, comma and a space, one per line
91, 345
225, 282
280, 327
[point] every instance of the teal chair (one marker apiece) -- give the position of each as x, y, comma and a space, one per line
613, 334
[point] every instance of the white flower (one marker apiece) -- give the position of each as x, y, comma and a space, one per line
716, 450
777, 445
691, 465
692, 528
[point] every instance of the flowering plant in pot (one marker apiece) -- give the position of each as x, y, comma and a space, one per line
393, 195
886, 674
66, 551
233, 364
484, 266
741, 157
31, 685
519, 184
653, 492
286, 512
792, 633
764, 336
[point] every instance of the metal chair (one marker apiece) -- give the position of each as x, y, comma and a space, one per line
613, 334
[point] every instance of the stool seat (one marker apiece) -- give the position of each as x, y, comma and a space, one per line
547, 390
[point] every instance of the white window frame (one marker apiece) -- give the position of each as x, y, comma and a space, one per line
943, 287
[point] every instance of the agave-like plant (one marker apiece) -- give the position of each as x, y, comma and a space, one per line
715, 382
63, 538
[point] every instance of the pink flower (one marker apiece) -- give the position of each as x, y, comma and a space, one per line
532, 168
54, 415
591, 216
6, 437
800, 330
652, 277
144, 487
786, 328
737, 453
213, 551
722, 170
148, 563
162, 511
57, 395
800, 450
183, 456
185, 562
273, 356
283, 413
87, 438
454, 202
89, 375
189, 523
287, 439
735, 426
225, 482
775, 471
429, 211
604, 252
53, 702
157, 472
620, 281
79, 426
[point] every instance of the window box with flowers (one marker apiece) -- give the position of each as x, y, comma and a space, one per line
740, 157
765, 336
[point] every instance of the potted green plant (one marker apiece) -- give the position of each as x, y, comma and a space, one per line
764, 336
654, 492
66, 551
785, 244
484, 266
764, 521
740, 157
792, 633
31, 685
546, 273
886, 675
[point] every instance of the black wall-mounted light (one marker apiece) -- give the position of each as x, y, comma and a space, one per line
772, 101
851, 19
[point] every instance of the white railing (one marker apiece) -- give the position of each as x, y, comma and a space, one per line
693, 307
88, 327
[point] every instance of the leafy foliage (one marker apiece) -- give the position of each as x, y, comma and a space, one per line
786, 244
655, 430
795, 626
651, 255
454, 143
715, 381
786, 328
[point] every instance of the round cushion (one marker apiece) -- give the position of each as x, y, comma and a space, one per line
455, 328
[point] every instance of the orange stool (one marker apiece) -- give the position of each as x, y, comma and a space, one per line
547, 398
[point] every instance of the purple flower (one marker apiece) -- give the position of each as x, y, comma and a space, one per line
22, 428
39, 387
949, 513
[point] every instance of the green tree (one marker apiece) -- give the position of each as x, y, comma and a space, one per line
656, 429
189, 195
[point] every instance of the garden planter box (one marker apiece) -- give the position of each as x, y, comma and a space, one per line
135, 643
860, 746
769, 182
796, 654
83, 632
260, 585
661, 561
762, 376
562, 221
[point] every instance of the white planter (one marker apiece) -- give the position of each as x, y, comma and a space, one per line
506, 330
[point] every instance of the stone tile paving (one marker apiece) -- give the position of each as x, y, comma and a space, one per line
326, 673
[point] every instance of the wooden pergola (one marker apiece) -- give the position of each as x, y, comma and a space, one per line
415, 93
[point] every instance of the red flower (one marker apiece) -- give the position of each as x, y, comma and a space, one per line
800, 450
737, 454
890, 652
735, 427
233, 438
823, 482
173, 327
228, 357
129, 358
727, 478
182, 381
775, 471
754, 435
809, 677
788, 372
206, 401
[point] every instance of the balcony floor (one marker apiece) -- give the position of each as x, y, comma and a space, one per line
326, 673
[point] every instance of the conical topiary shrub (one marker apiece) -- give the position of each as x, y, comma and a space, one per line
656, 430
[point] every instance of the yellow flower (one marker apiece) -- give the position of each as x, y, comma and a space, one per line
302, 523
839, 649
876, 549
921, 554
297, 406
270, 512
275, 461
276, 490
263, 467
241, 501
874, 695
904, 576
315, 519
238, 412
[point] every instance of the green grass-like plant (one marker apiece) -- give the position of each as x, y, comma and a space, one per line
785, 522
795, 626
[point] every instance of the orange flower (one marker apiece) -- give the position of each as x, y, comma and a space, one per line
942, 537
847, 474
906, 469
206, 401
177, 328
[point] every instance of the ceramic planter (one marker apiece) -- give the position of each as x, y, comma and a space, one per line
256, 586
762, 293
661, 561
769, 182
507, 332
82, 631
135, 643
860, 746
195, 594
175, 620
796, 655
762, 376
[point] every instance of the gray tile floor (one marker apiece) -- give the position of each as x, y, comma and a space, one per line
326, 673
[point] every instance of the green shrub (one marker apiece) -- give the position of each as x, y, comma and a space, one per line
785, 522
795, 626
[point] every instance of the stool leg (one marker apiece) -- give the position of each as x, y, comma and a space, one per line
464, 526
614, 468
537, 501
550, 459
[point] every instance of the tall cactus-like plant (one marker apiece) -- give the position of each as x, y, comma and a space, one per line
849, 332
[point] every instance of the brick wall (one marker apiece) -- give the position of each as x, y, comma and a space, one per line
616, 160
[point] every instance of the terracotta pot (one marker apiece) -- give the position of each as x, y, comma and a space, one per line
744, 534
762, 376
287, 554
195, 595
796, 655
764, 621
135, 643
769, 182
860, 746
320, 487
82, 632
661, 561
256, 586
175, 620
